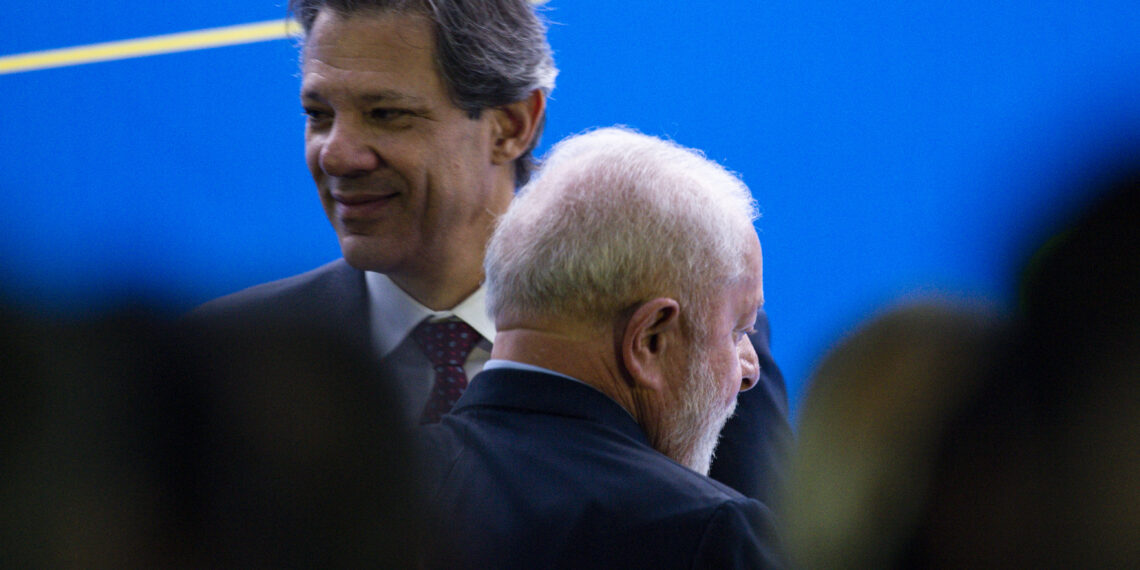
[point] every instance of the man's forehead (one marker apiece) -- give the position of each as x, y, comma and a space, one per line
757, 259
366, 33
751, 290
751, 295
378, 56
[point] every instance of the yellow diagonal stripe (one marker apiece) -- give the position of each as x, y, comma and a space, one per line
171, 43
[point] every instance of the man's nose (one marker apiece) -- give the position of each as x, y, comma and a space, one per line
347, 152
749, 365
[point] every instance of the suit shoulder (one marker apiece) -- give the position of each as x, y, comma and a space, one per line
740, 533
291, 296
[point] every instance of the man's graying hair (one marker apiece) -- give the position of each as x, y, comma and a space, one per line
614, 219
489, 52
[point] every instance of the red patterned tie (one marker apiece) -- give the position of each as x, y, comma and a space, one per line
446, 344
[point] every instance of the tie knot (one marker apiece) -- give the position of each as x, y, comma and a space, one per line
446, 343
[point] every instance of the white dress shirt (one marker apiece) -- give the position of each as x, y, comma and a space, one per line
394, 314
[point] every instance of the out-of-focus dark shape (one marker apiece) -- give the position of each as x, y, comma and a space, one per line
129, 441
1042, 470
931, 439
869, 429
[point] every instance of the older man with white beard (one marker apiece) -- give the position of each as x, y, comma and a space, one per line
623, 282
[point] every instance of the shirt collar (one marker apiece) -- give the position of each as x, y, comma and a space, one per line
514, 365
501, 364
395, 313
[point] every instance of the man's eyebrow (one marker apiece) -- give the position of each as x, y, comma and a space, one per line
382, 96
387, 96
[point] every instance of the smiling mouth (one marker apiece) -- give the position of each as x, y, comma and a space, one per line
362, 207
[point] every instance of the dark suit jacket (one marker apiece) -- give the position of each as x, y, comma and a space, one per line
539, 471
333, 299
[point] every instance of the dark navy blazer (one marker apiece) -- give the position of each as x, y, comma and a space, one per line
333, 298
532, 470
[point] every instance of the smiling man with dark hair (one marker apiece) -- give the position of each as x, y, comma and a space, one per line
422, 119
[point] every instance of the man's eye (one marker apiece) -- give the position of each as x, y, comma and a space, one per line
316, 114
385, 114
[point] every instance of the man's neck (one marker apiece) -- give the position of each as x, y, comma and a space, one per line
582, 354
437, 294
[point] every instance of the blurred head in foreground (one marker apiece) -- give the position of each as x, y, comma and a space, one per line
935, 439
869, 429
130, 442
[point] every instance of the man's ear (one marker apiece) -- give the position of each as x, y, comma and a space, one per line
650, 335
515, 126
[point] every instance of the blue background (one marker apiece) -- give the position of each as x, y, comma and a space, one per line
896, 148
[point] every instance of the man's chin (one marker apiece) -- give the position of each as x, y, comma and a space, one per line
368, 254
704, 449
714, 436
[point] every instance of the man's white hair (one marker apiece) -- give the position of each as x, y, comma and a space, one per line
613, 219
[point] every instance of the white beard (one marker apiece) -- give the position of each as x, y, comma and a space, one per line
692, 424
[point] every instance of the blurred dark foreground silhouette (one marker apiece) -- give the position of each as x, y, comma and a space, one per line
130, 441
943, 437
